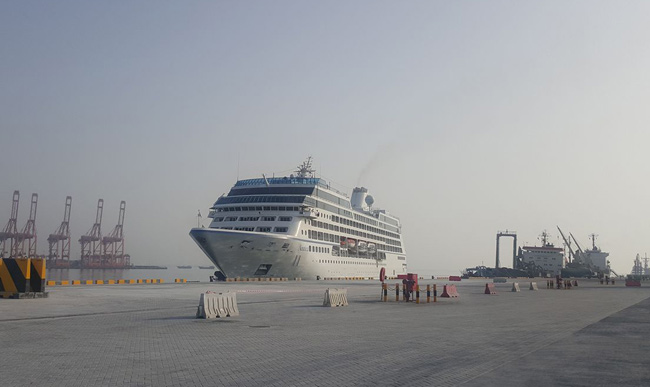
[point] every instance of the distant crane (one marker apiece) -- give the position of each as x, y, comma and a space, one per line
91, 246
59, 252
11, 229
25, 241
113, 244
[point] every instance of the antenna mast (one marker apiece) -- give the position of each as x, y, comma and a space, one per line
305, 170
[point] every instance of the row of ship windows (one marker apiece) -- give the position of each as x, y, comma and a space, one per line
327, 237
323, 236
335, 218
366, 220
362, 226
361, 234
374, 222
319, 249
345, 262
322, 205
264, 208
252, 218
388, 223
259, 199
258, 229
345, 252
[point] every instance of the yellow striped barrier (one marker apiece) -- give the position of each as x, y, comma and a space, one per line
14, 275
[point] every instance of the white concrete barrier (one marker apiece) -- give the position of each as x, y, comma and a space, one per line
213, 305
515, 287
533, 286
336, 297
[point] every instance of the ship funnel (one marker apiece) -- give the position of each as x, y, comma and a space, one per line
358, 199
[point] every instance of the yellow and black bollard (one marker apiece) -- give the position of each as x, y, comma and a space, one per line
385, 291
428, 294
435, 293
417, 294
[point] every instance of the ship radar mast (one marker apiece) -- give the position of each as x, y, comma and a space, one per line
305, 170
593, 241
544, 238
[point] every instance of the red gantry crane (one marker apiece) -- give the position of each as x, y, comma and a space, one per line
114, 244
59, 253
91, 246
11, 229
25, 241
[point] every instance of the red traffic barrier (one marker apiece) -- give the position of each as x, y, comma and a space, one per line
449, 291
490, 289
454, 278
631, 282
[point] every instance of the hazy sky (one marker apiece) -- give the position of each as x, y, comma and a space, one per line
462, 118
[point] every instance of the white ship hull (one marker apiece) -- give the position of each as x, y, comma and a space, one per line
242, 254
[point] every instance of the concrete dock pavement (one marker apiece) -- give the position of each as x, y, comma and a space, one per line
141, 336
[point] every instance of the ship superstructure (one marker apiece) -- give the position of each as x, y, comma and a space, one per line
300, 226
548, 258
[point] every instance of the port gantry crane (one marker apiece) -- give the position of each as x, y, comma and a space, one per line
11, 229
59, 252
91, 246
25, 241
114, 244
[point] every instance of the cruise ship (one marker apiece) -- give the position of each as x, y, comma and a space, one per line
299, 226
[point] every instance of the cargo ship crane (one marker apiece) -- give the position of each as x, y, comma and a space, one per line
567, 243
114, 243
25, 241
582, 258
59, 252
11, 229
91, 247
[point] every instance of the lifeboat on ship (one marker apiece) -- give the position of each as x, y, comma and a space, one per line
372, 248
